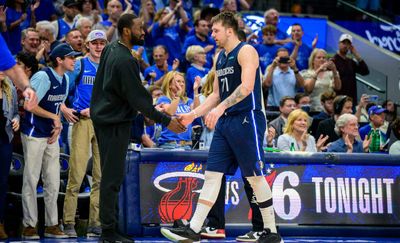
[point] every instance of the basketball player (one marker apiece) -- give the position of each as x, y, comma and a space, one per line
234, 109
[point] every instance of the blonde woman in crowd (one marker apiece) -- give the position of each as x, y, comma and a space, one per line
321, 76
175, 102
296, 137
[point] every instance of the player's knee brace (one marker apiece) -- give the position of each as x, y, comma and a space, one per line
211, 186
261, 190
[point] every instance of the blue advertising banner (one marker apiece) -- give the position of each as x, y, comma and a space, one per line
311, 27
302, 194
384, 36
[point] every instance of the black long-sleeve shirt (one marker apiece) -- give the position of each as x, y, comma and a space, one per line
118, 93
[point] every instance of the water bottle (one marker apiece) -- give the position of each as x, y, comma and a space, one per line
292, 147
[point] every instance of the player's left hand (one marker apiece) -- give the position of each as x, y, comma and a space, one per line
213, 116
30, 98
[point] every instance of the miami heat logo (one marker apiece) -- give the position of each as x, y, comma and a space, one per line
178, 203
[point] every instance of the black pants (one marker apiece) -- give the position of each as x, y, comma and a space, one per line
113, 143
216, 216
5, 163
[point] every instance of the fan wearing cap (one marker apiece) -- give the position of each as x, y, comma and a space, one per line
82, 80
348, 67
373, 130
40, 131
64, 25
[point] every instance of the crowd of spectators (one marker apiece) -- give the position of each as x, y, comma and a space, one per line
312, 96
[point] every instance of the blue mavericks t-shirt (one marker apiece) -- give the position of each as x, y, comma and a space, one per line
170, 37
6, 61
302, 55
229, 74
267, 54
168, 135
83, 91
63, 28
191, 74
37, 126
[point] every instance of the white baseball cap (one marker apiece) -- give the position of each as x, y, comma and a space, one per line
95, 35
346, 37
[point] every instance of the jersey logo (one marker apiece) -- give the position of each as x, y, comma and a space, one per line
55, 87
230, 58
245, 120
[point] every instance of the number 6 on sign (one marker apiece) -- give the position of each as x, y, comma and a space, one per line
279, 194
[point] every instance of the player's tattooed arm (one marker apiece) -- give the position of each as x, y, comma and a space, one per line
238, 95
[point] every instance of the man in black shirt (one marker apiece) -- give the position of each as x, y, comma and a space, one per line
117, 96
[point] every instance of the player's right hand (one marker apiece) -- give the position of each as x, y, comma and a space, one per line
176, 126
186, 119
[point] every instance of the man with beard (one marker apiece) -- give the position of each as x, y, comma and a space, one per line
349, 66
118, 94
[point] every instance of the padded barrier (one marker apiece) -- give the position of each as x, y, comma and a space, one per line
129, 204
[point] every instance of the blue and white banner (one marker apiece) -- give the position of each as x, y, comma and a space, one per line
302, 194
382, 35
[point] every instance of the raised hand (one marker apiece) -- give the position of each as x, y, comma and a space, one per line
315, 41
366, 143
197, 83
3, 16
35, 5
175, 126
175, 64
321, 141
271, 135
348, 143
31, 100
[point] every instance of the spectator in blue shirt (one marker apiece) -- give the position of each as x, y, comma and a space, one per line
153, 74
19, 15
282, 78
175, 102
196, 56
347, 128
203, 39
374, 129
114, 11
267, 49
300, 51
65, 24
46, 11
271, 16
170, 32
